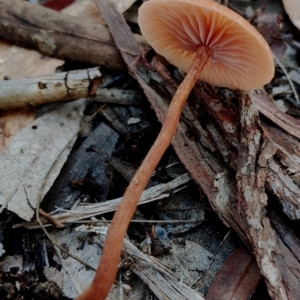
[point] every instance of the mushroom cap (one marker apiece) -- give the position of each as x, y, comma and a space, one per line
292, 9
240, 58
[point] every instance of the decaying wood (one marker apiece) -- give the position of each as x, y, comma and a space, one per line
80, 163
65, 86
56, 35
269, 109
231, 175
279, 156
251, 195
218, 181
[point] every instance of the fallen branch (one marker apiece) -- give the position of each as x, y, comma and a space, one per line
57, 35
64, 86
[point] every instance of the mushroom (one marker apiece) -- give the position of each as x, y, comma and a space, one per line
209, 42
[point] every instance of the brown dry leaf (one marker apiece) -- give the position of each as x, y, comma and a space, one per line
292, 8
237, 279
12, 121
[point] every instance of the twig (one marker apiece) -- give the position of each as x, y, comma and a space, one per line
52, 220
65, 86
58, 35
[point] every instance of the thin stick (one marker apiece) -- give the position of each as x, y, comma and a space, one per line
108, 265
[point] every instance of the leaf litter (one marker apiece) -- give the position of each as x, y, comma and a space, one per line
72, 281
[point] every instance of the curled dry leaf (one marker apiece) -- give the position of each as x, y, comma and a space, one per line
237, 278
292, 9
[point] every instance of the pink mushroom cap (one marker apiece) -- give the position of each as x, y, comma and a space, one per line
240, 58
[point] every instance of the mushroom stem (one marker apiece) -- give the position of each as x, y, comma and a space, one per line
111, 253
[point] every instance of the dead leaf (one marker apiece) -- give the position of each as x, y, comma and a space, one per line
75, 276
25, 162
12, 121
237, 278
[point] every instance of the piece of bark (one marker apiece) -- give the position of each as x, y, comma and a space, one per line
268, 108
251, 195
202, 157
279, 156
65, 86
205, 169
288, 244
78, 165
57, 35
